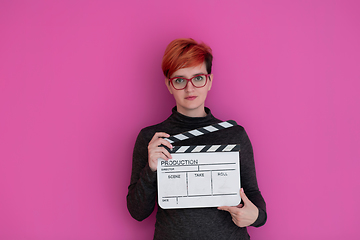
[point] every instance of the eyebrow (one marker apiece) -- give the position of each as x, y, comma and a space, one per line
192, 75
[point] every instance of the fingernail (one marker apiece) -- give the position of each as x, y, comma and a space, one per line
242, 189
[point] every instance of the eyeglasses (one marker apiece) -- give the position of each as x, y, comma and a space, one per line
197, 81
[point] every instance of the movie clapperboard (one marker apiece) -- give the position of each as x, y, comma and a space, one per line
202, 175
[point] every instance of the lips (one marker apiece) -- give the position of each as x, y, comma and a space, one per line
191, 97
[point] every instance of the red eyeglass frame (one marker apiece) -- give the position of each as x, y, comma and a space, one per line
189, 80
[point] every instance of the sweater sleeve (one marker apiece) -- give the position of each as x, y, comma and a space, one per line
142, 190
249, 181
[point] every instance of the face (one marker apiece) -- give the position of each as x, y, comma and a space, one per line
191, 100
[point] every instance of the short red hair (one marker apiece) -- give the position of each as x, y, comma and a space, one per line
183, 53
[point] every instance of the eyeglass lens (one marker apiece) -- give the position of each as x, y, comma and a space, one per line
197, 81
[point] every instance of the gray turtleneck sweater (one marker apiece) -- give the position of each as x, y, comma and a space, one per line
194, 223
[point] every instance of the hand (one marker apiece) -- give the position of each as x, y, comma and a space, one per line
245, 214
155, 151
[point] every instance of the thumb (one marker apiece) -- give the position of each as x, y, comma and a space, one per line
244, 197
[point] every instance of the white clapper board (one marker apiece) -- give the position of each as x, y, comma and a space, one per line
202, 175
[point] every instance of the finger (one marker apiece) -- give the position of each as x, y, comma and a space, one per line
157, 141
227, 208
161, 149
158, 135
223, 208
160, 152
164, 142
165, 153
161, 134
244, 197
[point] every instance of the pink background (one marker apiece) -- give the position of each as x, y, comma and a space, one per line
79, 79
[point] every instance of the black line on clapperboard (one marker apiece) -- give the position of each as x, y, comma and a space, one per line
174, 196
202, 164
212, 188
205, 195
227, 169
187, 184
223, 170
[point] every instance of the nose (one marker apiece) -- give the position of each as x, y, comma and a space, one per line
189, 87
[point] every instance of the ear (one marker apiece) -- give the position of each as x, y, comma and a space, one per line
211, 77
167, 83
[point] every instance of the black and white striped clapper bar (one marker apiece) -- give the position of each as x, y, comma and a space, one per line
202, 175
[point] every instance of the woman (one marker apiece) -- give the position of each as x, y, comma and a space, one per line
187, 68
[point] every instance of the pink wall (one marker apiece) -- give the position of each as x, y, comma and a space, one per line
79, 79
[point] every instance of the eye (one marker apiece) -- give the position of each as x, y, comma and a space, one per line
199, 78
178, 80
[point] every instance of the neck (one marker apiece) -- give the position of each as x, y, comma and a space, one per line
198, 112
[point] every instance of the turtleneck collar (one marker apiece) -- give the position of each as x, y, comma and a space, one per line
180, 118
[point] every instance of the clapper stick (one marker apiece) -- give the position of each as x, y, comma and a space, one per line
205, 148
201, 131
202, 148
